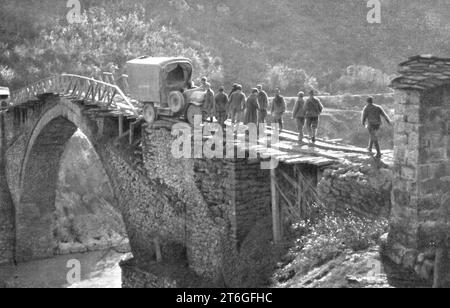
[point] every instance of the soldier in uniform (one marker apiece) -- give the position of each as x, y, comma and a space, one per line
313, 110
371, 116
299, 115
251, 108
263, 104
208, 105
278, 108
221, 106
237, 103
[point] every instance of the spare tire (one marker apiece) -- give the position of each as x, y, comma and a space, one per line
176, 101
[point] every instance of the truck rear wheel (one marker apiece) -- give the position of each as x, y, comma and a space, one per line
149, 112
193, 111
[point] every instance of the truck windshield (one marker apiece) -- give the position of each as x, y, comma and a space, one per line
175, 75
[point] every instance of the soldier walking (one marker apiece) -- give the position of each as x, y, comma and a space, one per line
251, 108
299, 115
237, 103
371, 116
221, 106
263, 104
208, 105
313, 110
278, 108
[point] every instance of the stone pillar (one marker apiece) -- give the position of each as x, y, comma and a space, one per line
420, 213
7, 216
404, 220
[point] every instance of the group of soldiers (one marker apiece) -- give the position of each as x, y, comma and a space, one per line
254, 109
236, 105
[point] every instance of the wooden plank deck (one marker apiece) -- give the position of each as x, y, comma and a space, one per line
320, 154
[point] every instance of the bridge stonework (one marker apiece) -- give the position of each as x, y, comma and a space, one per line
215, 204
35, 138
7, 234
192, 214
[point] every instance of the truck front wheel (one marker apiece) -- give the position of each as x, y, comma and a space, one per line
192, 112
149, 113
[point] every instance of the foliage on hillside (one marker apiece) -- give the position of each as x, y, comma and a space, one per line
287, 43
104, 41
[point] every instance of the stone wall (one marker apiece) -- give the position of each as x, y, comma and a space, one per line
7, 230
422, 177
405, 191
214, 204
203, 232
7, 234
434, 165
236, 190
358, 187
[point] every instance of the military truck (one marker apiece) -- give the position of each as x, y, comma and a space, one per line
164, 87
5, 97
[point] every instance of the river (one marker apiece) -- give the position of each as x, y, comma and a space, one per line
96, 270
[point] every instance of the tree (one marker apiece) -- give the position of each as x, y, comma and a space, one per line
104, 41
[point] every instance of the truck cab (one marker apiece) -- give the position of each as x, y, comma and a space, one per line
164, 86
5, 98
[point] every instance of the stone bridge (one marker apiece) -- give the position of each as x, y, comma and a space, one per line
173, 209
186, 219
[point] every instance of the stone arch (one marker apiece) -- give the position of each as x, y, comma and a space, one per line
38, 177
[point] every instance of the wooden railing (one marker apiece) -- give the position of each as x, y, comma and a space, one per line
90, 90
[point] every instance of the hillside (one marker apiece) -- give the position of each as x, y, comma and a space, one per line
288, 43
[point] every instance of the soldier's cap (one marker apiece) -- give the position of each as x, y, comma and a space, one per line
301, 93
370, 99
259, 86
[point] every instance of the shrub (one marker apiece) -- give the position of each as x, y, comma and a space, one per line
361, 78
332, 234
289, 80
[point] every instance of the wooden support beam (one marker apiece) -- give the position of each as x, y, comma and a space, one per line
120, 125
101, 127
126, 134
131, 139
290, 206
157, 249
276, 217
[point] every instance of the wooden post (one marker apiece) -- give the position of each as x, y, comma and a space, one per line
302, 194
275, 208
101, 126
120, 125
131, 133
158, 250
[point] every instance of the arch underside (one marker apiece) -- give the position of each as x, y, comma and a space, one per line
37, 222
37, 203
